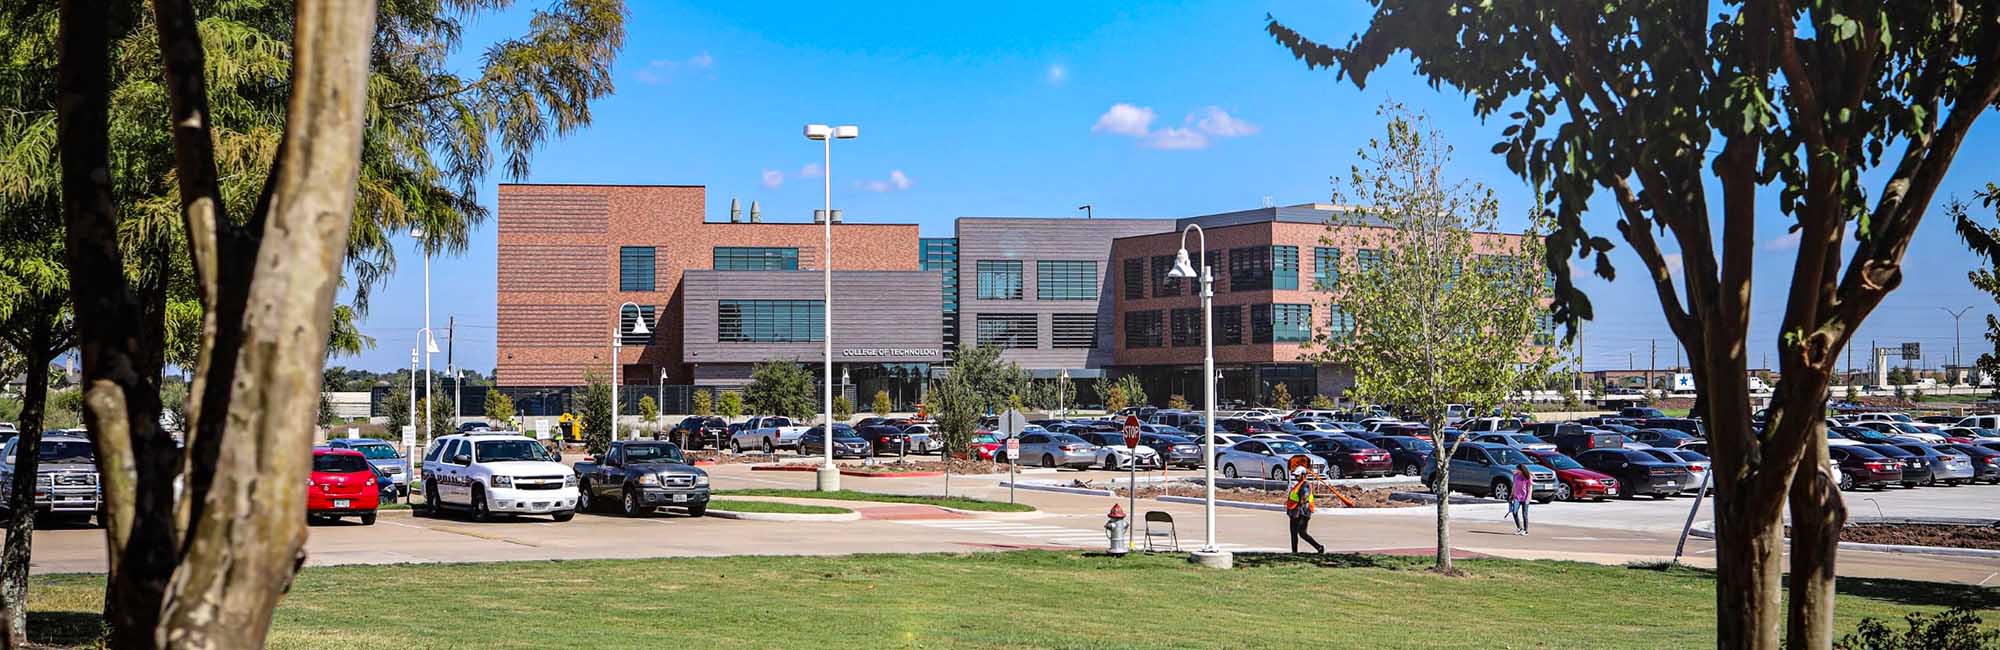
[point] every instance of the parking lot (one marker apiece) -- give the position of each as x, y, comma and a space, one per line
1613, 532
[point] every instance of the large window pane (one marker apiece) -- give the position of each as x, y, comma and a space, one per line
1284, 267
1186, 326
1007, 331
1164, 286
770, 321
1291, 323
1250, 268
1065, 280
744, 258
1073, 331
999, 279
1326, 268
1143, 329
1135, 278
1340, 324
635, 268
1229, 325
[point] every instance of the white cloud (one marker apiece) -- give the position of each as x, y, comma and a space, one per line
1124, 119
1057, 74
897, 181
1784, 242
659, 71
773, 178
1214, 121
811, 170
1176, 138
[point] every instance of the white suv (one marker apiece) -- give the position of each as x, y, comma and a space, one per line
497, 472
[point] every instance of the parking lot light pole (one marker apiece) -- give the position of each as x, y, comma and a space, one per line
618, 343
828, 475
430, 346
1209, 555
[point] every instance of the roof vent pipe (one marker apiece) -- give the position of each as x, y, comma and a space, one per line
756, 215
735, 211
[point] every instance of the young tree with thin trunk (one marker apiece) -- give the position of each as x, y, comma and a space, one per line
499, 409
1447, 313
1680, 110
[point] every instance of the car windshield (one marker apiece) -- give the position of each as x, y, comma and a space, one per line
339, 463
1285, 447
377, 452
1899, 417
65, 451
1527, 440
1558, 461
1510, 456
1906, 428
985, 437
1415, 444
495, 451
1670, 434
654, 453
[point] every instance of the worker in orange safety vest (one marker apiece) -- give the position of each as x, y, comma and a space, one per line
1299, 508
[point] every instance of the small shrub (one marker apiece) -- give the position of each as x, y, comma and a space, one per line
1954, 629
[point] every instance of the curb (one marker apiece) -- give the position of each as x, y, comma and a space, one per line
990, 514
1247, 505
844, 472
1057, 488
782, 516
1705, 530
1456, 499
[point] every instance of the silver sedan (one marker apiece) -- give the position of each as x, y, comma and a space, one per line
1264, 459
1057, 450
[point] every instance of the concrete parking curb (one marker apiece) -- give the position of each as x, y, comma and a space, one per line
1058, 488
1705, 530
991, 514
782, 516
1247, 505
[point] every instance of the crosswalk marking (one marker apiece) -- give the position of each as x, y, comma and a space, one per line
1055, 535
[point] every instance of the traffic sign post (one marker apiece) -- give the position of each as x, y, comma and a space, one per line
1012, 423
1132, 475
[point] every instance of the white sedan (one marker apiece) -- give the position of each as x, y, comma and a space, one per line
1113, 454
1264, 459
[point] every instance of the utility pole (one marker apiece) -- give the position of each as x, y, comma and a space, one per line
1652, 361
451, 365
1955, 315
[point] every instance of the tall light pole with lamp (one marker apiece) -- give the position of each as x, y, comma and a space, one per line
1955, 315
828, 476
617, 344
1184, 268
430, 346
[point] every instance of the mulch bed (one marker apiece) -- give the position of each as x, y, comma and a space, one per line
890, 468
1362, 497
1981, 537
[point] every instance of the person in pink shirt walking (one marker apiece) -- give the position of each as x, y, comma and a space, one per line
1517, 500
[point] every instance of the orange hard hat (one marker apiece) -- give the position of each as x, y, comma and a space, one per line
1117, 511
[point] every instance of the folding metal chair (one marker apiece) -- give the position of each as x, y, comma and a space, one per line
1167, 531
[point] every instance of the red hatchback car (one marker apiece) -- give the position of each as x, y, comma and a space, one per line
1574, 482
342, 485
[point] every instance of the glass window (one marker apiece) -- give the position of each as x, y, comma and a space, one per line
1366, 258
1186, 326
1006, 331
1143, 329
629, 315
1260, 323
1250, 268
1326, 268
999, 279
1340, 324
1065, 280
1135, 278
337, 463
1164, 286
1215, 270
495, 451
635, 268
1073, 331
747, 258
1545, 329
1284, 267
1229, 325
1280, 323
770, 321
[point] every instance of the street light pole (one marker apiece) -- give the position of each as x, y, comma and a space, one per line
1955, 315
617, 344
430, 347
828, 476
1209, 555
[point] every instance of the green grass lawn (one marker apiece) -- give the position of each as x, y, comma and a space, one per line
1000, 601
960, 503
734, 505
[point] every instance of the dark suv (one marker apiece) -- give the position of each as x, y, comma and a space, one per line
701, 432
1582, 440
1658, 437
1638, 472
1915, 469
1175, 450
1407, 454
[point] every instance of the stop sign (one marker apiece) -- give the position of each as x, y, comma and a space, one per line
1132, 431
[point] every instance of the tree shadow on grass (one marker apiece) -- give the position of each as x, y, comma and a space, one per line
1916, 593
65, 629
1325, 561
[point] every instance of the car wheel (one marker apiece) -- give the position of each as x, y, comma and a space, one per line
735, 446
1048, 460
480, 510
1624, 489
631, 505
1412, 470
432, 506
368, 519
1911, 485
772, 449
697, 511
1333, 471
1562, 491
1659, 497
583, 500
561, 517
1846, 482
1277, 473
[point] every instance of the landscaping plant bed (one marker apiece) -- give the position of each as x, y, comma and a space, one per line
716, 457
1362, 497
890, 469
1941, 535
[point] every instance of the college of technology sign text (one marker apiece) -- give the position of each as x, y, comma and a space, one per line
889, 352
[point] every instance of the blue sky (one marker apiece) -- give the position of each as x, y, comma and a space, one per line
1035, 108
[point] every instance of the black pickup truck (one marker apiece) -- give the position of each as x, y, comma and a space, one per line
641, 476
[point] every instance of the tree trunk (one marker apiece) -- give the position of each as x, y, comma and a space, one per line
1749, 535
1817, 517
21, 495
1443, 491
247, 541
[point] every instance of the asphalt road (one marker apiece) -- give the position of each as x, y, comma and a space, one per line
1613, 532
